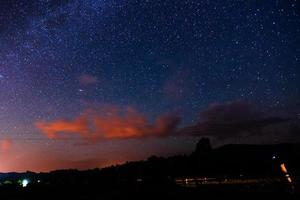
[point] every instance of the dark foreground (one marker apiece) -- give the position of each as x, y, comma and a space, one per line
228, 172
148, 191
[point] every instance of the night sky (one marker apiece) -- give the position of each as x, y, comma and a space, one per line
91, 83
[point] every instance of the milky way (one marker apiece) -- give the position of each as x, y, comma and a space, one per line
175, 58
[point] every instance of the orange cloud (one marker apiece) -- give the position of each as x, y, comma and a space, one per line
79, 125
111, 123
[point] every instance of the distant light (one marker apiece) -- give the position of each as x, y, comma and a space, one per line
273, 157
7, 182
283, 168
39, 181
25, 182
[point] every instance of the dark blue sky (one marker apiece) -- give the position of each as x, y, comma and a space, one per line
59, 59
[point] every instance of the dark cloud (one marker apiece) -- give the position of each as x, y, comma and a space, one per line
229, 120
231, 112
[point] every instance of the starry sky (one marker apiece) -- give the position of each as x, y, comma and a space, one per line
91, 83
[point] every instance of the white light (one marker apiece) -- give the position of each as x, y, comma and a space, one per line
25, 183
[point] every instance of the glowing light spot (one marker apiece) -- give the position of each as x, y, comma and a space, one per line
283, 168
25, 183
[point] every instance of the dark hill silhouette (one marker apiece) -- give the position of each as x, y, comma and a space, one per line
229, 160
157, 174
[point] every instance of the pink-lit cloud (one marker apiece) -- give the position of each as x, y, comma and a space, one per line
111, 123
51, 129
87, 79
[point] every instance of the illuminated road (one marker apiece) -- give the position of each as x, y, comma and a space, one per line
198, 181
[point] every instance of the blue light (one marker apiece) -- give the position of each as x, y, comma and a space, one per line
25, 183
